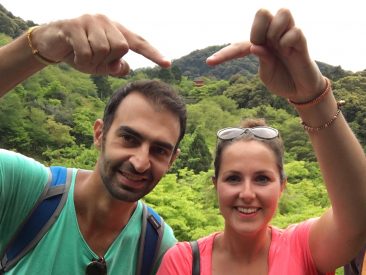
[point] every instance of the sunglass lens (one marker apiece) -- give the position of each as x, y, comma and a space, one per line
265, 132
96, 268
229, 133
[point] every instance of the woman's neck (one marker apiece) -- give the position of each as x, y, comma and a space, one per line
246, 246
235, 253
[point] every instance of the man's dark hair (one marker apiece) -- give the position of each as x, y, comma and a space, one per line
158, 93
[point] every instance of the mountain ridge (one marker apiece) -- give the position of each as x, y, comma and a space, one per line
192, 65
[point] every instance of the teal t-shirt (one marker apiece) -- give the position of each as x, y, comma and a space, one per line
63, 249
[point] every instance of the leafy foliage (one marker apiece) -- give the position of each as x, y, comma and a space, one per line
4, 39
187, 203
195, 154
50, 117
104, 89
11, 25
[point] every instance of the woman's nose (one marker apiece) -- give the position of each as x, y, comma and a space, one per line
247, 192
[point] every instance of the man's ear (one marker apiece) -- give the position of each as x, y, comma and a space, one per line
98, 133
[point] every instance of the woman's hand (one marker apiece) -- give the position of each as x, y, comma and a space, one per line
285, 66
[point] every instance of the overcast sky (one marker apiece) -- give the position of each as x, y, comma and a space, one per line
335, 29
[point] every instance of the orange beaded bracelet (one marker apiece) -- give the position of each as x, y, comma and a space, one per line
328, 123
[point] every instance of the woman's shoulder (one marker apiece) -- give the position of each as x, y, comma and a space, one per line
297, 228
203, 242
292, 243
178, 259
183, 248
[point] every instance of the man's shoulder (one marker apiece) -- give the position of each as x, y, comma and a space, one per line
11, 160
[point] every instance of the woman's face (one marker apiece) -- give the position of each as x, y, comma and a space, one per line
248, 186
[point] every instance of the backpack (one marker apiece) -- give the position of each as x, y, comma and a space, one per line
195, 258
48, 208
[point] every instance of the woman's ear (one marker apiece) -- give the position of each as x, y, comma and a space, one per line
214, 181
283, 184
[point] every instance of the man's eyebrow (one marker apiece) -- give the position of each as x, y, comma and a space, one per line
131, 131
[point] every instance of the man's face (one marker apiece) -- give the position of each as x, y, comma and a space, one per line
138, 149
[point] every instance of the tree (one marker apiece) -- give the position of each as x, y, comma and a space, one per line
176, 73
199, 155
13, 133
195, 154
4, 39
166, 75
104, 88
83, 120
209, 115
187, 203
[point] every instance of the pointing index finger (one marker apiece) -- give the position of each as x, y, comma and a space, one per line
141, 46
232, 51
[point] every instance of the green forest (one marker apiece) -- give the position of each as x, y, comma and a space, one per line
50, 117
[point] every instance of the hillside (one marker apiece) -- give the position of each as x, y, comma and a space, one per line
193, 65
12, 25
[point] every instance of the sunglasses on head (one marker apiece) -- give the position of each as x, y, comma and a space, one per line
96, 267
261, 132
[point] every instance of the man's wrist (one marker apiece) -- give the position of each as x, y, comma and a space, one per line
42, 59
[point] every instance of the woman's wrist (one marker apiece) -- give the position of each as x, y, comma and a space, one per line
316, 99
316, 117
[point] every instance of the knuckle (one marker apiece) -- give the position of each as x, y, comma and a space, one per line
103, 49
84, 18
121, 47
140, 43
101, 17
83, 57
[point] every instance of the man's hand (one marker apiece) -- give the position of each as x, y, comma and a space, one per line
93, 44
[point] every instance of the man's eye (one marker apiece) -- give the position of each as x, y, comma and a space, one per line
160, 151
129, 139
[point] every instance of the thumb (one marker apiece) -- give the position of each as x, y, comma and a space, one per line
262, 53
118, 68
267, 62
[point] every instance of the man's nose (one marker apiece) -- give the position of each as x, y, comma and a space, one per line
141, 159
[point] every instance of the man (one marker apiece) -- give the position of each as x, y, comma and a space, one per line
137, 139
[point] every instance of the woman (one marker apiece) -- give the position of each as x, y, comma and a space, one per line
249, 177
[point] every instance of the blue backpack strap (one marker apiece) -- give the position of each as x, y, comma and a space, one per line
40, 218
152, 231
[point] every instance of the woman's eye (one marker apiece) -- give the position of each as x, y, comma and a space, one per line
233, 179
262, 179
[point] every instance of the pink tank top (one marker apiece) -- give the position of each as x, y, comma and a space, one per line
289, 254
